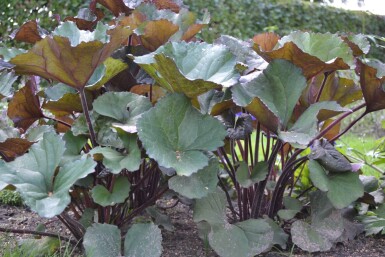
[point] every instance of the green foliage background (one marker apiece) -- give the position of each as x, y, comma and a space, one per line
245, 18
240, 18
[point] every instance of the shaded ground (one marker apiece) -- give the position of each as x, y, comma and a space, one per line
184, 241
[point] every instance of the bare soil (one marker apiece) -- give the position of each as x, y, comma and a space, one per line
184, 241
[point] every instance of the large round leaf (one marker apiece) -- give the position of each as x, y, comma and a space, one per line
308, 239
102, 240
190, 68
246, 238
176, 135
143, 240
35, 175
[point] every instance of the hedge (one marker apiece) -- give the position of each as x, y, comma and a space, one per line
240, 18
245, 18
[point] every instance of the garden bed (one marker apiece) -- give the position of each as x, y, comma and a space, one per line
184, 240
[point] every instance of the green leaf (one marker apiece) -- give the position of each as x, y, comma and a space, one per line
308, 239
229, 241
8, 53
199, 184
292, 207
278, 88
314, 53
57, 91
36, 133
34, 175
143, 240
246, 238
258, 174
124, 107
6, 81
259, 235
190, 68
280, 237
342, 188
326, 47
119, 193
318, 175
112, 68
7, 131
305, 128
373, 225
97, 76
176, 135
113, 160
160, 219
102, 240
87, 218
244, 52
358, 43
74, 145
212, 208
76, 36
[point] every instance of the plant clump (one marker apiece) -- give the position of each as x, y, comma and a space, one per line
107, 117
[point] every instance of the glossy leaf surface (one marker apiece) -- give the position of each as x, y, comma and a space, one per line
190, 68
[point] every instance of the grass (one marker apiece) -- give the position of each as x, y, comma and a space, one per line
11, 248
361, 149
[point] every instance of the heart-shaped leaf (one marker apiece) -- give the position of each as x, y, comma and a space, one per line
292, 207
115, 161
34, 175
190, 68
211, 208
119, 193
342, 188
246, 179
197, 185
278, 87
125, 110
179, 140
